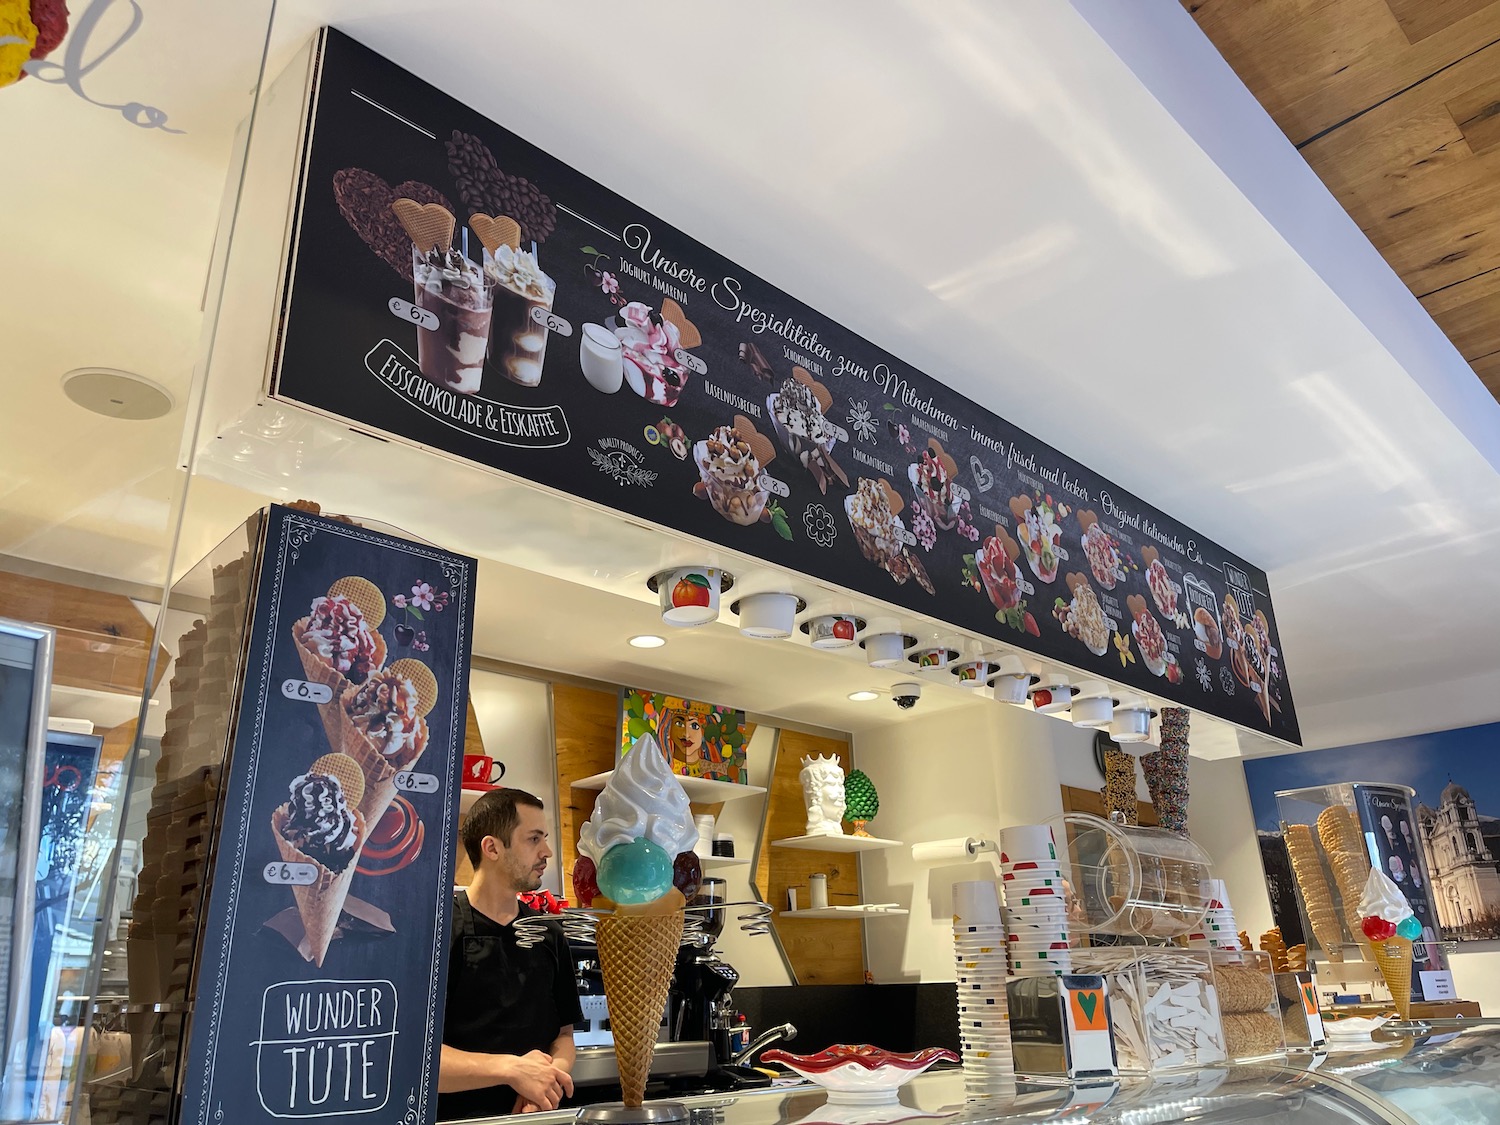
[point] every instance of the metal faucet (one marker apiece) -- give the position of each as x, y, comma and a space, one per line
781, 1031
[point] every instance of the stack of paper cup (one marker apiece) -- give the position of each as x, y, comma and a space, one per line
983, 1026
1219, 928
1036, 906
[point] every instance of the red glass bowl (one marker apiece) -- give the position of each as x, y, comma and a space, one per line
860, 1074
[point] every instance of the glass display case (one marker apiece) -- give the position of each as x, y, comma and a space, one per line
1442, 1080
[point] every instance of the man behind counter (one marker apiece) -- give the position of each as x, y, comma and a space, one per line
508, 1031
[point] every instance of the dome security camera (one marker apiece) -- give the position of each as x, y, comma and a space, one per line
906, 695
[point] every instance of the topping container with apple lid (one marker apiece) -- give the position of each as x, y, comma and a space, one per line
1163, 589
729, 467
1101, 550
1040, 534
1083, 618
996, 562
1148, 635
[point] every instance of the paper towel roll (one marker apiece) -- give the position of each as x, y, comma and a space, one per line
960, 850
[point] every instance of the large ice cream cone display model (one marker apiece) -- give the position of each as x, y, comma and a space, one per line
636, 871
1387, 921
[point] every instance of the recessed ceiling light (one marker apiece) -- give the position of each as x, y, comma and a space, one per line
117, 394
863, 696
647, 640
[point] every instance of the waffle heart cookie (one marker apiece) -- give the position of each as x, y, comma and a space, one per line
1307, 868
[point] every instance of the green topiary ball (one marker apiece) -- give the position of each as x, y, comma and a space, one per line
861, 802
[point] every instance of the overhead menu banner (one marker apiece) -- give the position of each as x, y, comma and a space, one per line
323, 968
451, 285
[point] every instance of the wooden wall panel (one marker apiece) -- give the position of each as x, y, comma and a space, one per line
585, 724
820, 952
1395, 104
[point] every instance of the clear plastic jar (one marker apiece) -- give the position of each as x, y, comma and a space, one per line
1146, 882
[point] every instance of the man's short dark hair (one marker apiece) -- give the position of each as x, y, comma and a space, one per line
494, 814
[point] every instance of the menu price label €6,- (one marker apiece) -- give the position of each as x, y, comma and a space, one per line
291, 874
305, 691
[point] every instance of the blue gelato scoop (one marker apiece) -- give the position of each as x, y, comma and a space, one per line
636, 872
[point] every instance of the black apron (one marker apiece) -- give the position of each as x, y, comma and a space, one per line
502, 999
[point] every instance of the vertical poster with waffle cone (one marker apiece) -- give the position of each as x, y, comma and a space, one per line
320, 984
453, 287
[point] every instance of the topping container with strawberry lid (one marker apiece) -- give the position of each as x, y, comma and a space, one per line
635, 876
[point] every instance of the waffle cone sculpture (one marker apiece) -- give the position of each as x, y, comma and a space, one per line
637, 953
636, 865
1316, 899
1394, 958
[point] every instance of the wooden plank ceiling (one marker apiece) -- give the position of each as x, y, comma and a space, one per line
1395, 104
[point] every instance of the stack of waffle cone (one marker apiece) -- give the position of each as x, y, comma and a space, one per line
1316, 898
637, 952
1350, 863
1394, 958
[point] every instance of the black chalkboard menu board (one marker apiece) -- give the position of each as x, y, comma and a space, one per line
451, 285
325, 940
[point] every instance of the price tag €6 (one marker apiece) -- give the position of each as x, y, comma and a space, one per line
409, 782
306, 691
291, 874
552, 321
405, 310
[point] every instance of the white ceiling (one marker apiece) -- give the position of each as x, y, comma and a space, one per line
985, 189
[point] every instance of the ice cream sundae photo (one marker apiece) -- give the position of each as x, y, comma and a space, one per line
1040, 535
1206, 629
996, 563
933, 480
1083, 618
1163, 590
522, 296
1149, 638
730, 462
798, 414
874, 512
1103, 553
452, 289
650, 341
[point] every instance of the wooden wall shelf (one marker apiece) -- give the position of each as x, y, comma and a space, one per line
700, 790
836, 843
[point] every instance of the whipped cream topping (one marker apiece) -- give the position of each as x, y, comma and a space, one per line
453, 276
643, 798
1383, 899
385, 708
727, 459
518, 271
319, 821
338, 632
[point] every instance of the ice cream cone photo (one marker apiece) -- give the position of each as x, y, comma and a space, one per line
317, 827
382, 725
339, 642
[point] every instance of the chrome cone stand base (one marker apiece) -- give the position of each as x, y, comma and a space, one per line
618, 1113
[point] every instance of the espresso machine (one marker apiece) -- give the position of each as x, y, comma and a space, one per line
700, 1007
